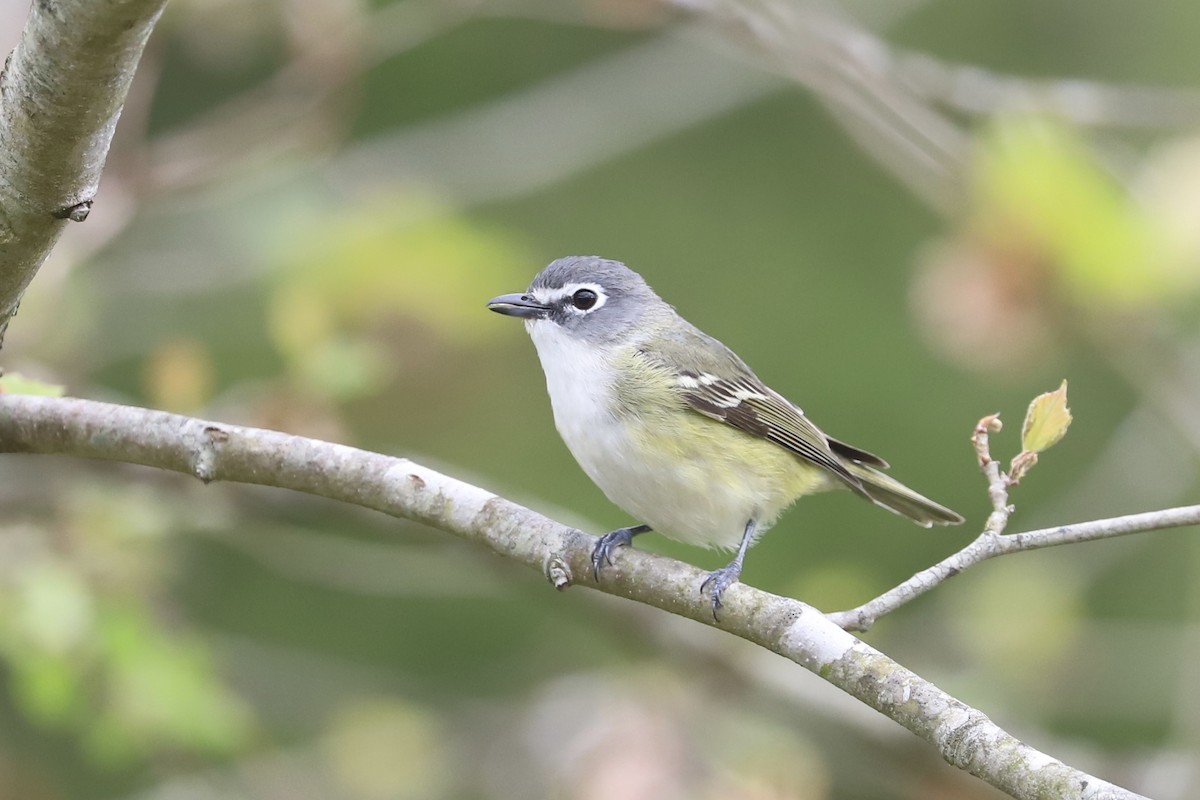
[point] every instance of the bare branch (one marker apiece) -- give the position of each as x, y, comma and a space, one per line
849, 70
907, 109
61, 93
212, 451
998, 482
989, 545
975, 90
992, 542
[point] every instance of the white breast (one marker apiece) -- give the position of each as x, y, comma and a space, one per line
690, 501
579, 385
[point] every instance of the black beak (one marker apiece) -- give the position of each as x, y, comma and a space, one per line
518, 305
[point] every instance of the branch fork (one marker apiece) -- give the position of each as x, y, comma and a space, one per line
210, 451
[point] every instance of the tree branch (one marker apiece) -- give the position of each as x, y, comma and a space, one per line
992, 542
990, 545
848, 70
212, 451
903, 107
61, 93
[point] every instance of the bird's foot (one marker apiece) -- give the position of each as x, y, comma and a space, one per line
602, 552
718, 581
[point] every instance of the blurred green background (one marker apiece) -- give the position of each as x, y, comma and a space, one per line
308, 204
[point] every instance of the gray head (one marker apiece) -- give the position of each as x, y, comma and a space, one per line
585, 296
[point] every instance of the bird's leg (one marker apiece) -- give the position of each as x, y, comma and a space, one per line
721, 579
621, 537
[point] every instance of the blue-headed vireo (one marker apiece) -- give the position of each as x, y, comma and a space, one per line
673, 426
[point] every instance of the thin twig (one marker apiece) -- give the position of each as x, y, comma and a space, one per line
845, 66
904, 108
974, 89
992, 542
990, 546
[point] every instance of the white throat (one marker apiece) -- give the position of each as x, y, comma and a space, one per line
578, 381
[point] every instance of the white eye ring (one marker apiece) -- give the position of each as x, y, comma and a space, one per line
569, 297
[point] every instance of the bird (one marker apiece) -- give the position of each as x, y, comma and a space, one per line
673, 427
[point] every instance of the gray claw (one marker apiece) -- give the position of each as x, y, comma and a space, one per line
602, 552
717, 582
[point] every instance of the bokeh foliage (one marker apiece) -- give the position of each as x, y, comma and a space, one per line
306, 209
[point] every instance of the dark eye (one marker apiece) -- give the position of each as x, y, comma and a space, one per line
583, 299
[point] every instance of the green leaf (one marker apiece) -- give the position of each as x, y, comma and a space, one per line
163, 690
49, 687
16, 383
396, 266
1046, 421
1040, 189
56, 607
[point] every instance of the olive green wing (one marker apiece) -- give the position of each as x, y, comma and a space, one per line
749, 405
713, 381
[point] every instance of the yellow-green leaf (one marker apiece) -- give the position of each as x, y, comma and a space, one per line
395, 265
1039, 187
16, 383
1046, 421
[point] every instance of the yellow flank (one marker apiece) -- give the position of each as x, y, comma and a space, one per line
730, 455
706, 478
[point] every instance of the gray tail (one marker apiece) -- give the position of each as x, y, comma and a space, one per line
898, 498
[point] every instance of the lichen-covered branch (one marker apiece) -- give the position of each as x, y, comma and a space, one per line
61, 93
213, 451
